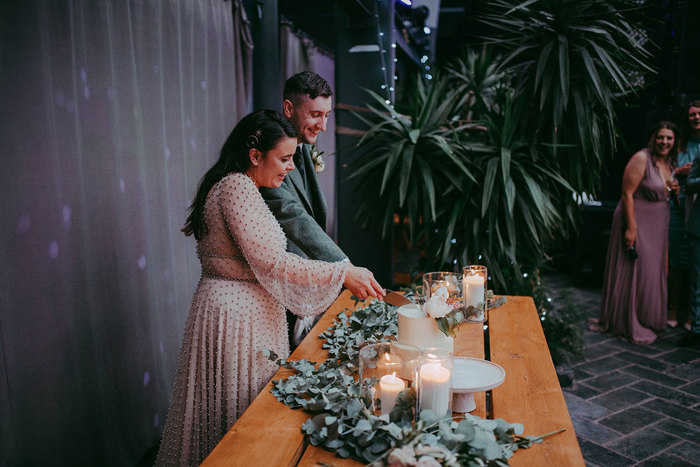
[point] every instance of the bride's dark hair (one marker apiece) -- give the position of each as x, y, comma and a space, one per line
261, 130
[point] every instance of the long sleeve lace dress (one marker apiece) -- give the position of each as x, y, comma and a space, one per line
238, 309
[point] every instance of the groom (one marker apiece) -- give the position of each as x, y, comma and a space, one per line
298, 204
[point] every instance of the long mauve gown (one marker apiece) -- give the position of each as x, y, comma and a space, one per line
248, 279
634, 291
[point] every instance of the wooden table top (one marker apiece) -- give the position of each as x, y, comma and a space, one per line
269, 432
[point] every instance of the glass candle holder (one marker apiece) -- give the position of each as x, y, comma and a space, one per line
386, 369
435, 382
432, 281
474, 284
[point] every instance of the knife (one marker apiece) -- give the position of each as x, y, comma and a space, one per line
396, 299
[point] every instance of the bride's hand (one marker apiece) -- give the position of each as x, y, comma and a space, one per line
362, 284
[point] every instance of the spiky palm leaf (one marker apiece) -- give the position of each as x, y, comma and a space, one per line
509, 217
409, 160
572, 60
479, 76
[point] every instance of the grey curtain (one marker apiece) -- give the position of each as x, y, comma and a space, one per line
299, 53
111, 113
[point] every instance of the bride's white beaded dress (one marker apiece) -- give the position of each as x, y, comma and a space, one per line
248, 279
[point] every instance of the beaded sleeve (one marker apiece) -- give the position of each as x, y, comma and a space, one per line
305, 287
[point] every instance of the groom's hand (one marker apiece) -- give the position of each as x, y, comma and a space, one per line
362, 284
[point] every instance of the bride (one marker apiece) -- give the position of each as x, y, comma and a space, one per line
248, 279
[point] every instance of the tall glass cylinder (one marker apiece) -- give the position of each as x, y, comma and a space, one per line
387, 369
474, 285
435, 382
432, 281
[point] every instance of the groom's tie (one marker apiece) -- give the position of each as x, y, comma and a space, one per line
299, 164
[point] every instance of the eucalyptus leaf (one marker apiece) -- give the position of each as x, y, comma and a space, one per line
344, 424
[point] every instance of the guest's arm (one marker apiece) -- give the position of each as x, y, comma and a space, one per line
634, 172
692, 184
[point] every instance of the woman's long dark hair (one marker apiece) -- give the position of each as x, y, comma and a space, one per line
686, 131
673, 154
260, 130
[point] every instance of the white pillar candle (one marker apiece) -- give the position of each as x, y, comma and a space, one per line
389, 387
474, 293
434, 388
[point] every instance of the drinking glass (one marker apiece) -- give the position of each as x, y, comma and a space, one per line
435, 381
386, 369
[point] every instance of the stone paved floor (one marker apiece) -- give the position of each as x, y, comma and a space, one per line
633, 405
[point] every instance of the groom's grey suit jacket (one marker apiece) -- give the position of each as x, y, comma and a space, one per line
300, 209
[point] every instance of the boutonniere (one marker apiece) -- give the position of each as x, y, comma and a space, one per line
319, 165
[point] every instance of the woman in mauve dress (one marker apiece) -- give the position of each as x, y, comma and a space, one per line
634, 298
248, 279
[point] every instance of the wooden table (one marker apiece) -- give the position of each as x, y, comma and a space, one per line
269, 433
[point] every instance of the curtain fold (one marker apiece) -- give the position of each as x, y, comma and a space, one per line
112, 112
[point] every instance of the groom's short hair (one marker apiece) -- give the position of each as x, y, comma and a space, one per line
306, 83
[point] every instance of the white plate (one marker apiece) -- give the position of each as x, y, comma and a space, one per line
476, 375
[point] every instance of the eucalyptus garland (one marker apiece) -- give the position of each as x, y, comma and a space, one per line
342, 422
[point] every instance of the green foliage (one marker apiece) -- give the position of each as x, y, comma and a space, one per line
376, 322
343, 423
508, 216
485, 167
406, 152
570, 62
495, 205
478, 75
449, 323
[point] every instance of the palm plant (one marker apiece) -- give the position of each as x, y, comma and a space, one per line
409, 159
471, 192
480, 76
572, 61
507, 218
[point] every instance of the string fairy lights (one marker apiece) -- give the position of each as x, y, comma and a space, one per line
389, 84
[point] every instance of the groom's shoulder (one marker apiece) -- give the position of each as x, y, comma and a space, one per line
283, 191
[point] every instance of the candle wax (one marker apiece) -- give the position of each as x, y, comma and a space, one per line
389, 387
474, 290
434, 388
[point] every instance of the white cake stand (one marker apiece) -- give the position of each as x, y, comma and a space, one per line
473, 375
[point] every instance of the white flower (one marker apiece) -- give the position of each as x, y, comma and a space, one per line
437, 305
319, 165
402, 456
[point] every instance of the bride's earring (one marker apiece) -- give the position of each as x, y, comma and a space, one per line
254, 176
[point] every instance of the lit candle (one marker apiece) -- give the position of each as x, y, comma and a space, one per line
434, 388
474, 293
390, 386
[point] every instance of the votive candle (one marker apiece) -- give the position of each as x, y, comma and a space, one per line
390, 386
474, 293
434, 388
